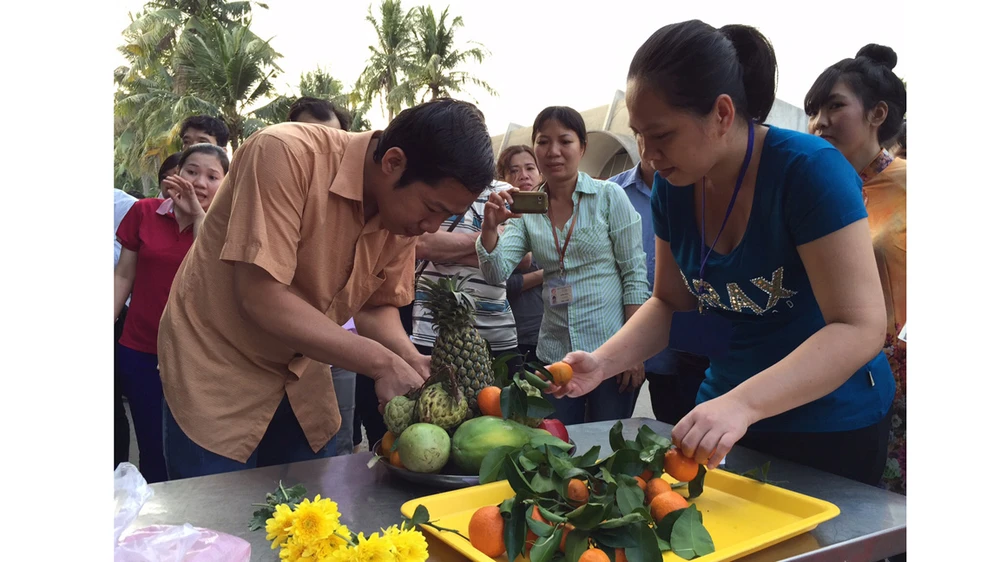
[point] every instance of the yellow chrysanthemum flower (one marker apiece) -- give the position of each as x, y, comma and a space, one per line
374, 549
291, 551
410, 544
339, 537
342, 555
315, 520
278, 525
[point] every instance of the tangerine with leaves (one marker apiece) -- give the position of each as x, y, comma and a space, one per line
679, 467
655, 487
665, 503
594, 555
486, 531
641, 483
566, 528
532, 537
578, 492
646, 475
561, 373
488, 401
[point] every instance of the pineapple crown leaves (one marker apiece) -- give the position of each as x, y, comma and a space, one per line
447, 300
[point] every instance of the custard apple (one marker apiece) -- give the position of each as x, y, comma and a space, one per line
399, 414
441, 407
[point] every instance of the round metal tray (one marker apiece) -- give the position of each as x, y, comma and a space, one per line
447, 479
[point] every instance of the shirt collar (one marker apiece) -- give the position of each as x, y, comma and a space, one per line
349, 182
165, 208
585, 183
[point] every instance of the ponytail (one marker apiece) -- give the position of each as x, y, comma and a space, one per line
691, 64
759, 68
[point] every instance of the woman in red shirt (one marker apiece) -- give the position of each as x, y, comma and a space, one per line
155, 236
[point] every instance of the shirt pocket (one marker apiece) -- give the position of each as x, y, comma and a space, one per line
590, 244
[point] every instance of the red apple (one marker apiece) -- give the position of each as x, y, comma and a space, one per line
555, 427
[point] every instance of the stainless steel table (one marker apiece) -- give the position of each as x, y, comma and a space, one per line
871, 525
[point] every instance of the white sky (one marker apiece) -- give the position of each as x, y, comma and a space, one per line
556, 52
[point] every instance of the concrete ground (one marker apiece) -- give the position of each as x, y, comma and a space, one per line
642, 410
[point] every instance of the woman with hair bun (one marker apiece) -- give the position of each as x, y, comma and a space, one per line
764, 264
858, 105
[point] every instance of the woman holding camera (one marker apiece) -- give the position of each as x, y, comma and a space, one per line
590, 245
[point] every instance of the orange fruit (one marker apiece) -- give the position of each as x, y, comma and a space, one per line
578, 492
530, 539
679, 467
620, 555
394, 460
666, 502
641, 483
387, 440
488, 400
561, 373
655, 487
486, 531
594, 555
567, 527
646, 475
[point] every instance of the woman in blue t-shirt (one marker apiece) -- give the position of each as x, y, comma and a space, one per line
764, 264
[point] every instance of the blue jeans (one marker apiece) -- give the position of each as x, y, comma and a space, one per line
140, 383
604, 403
283, 442
343, 384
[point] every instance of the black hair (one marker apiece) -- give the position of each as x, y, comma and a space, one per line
205, 148
320, 109
168, 164
869, 75
442, 138
566, 116
211, 125
692, 63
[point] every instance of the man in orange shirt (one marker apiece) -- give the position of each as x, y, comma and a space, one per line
311, 227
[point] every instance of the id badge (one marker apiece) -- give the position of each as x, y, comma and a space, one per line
560, 292
705, 334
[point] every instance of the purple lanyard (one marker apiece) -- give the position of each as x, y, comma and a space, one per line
729, 211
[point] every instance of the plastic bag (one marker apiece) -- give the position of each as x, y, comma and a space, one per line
165, 543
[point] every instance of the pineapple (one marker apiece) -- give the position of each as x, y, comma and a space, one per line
459, 343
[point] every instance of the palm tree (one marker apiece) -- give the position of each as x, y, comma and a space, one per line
153, 96
228, 67
389, 58
318, 84
433, 71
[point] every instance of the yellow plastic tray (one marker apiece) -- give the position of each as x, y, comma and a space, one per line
742, 515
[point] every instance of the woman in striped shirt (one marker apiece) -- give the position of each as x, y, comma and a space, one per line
590, 246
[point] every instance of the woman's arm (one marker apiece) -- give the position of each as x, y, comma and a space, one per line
124, 278
625, 231
844, 278
532, 280
498, 263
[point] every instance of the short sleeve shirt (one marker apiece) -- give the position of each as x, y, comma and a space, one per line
150, 230
292, 204
494, 318
805, 189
